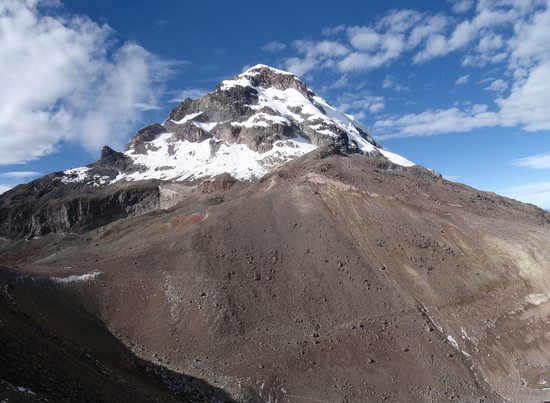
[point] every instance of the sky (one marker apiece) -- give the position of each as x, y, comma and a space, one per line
461, 87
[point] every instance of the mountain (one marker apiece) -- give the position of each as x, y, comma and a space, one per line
248, 125
345, 273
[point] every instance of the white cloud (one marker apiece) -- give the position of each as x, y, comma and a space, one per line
434, 122
64, 79
462, 80
364, 38
359, 102
13, 178
489, 43
318, 55
300, 66
530, 43
399, 20
539, 161
182, 95
373, 45
528, 103
430, 26
373, 50
4, 188
495, 32
527, 106
329, 31
536, 193
490, 16
273, 47
497, 85
462, 6
438, 45
19, 174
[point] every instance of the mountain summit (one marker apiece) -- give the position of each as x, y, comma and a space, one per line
247, 126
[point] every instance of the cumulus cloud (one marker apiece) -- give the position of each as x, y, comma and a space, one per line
462, 6
273, 47
359, 102
528, 55
527, 106
497, 85
490, 18
316, 55
528, 103
512, 33
530, 43
64, 78
367, 47
492, 32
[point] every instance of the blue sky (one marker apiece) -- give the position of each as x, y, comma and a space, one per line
462, 87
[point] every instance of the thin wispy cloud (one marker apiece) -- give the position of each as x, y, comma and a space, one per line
539, 161
19, 174
182, 95
391, 83
536, 193
11, 179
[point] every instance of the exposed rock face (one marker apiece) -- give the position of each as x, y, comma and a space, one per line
47, 205
147, 134
186, 132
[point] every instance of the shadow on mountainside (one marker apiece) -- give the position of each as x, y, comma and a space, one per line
54, 350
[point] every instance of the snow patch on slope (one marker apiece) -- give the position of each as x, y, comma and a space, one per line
187, 118
76, 278
189, 160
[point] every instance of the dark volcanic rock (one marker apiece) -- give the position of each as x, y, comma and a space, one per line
187, 131
111, 160
146, 134
48, 205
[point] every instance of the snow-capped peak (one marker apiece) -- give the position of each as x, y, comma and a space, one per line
256, 69
248, 125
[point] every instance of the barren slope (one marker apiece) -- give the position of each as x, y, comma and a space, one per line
336, 277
